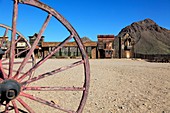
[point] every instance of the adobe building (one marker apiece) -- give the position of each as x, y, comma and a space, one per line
124, 46
106, 46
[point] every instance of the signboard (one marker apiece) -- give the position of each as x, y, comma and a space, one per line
21, 44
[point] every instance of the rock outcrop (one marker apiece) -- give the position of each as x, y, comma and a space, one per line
149, 37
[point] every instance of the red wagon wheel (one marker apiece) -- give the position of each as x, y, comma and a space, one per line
17, 86
4, 45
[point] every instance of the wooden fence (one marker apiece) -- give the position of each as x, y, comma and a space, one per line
153, 57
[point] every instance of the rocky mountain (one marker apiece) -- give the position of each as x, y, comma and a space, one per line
85, 39
149, 37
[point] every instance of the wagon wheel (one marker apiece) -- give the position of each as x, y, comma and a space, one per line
4, 45
15, 86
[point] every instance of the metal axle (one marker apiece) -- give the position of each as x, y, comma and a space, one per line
9, 90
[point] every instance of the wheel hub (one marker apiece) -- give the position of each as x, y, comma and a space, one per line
9, 89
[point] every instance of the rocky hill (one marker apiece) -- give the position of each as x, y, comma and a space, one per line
85, 39
149, 37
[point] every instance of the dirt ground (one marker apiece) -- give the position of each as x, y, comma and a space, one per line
129, 86
116, 86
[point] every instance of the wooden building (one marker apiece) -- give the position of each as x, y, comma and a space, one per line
38, 49
124, 46
70, 49
4, 42
21, 45
106, 46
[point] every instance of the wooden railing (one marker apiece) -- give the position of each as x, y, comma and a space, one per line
153, 57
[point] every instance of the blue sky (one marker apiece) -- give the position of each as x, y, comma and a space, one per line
89, 17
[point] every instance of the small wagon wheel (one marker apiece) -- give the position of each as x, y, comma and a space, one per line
14, 86
4, 45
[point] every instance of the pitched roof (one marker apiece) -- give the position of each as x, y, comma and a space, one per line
105, 36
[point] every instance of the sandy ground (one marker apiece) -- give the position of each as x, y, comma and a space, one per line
128, 86
116, 86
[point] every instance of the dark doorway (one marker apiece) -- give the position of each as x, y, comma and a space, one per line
102, 53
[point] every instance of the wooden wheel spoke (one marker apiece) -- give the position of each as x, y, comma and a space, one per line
9, 48
5, 34
4, 75
7, 107
16, 63
15, 106
5, 59
54, 88
13, 70
33, 46
52, 72
26, 106
37, 99
18, 39
12, 46
22, 52
1, 79
44, 59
